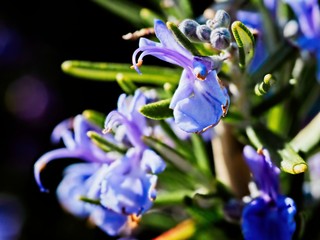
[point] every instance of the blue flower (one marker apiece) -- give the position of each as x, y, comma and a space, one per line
73, 132
81, 182
200, 99
270, 215
111, 189
308, 16
129, 183
130, 124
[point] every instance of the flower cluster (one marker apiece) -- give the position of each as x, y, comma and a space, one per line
112, 188
165, 129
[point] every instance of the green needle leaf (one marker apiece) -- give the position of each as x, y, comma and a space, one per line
148, 16
104, 144
102, 71
89, 200
124, 9
157, 110
95, 117
245, 42
126, 84
308, 137
174, 157
201, 154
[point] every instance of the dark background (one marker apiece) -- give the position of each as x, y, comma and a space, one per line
35, 38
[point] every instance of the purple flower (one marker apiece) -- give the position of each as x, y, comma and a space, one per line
73, 132
269, 215
112, 189
200, 99
81, 181
128, 185
129, 123
308, 16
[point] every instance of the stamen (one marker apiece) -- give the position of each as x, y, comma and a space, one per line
225, 109
106, 130
139, 64
133, 221
260, 151
201, 77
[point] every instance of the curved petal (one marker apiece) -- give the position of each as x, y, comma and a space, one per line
167, 39
265, 174
42, 162
152, 162
196, 113
60, 129
73, 186
184, 89
113, 118
110, 222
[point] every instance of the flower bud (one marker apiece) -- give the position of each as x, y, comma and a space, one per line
189, 27
220, 38
203, 33
221, 19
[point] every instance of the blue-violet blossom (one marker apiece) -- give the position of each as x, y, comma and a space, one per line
270, 215
308, 16
110, 188
200, 99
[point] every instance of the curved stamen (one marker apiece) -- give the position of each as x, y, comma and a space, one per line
161, 53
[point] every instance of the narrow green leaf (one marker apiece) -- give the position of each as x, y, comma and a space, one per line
245, 42
157, 220
102, 71
308, 137
281, 152
124, 9
181, 146
186, 8
95, 117
291, 161
157, 110
182, 39
89, 200
148, 16
104, 144
201, 153
127, 86
175, 158
172, 197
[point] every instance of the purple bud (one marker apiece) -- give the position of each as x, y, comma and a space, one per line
203, 33
220, 38
189, 27
221, 19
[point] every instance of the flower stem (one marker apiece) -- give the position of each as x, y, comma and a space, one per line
230, 166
